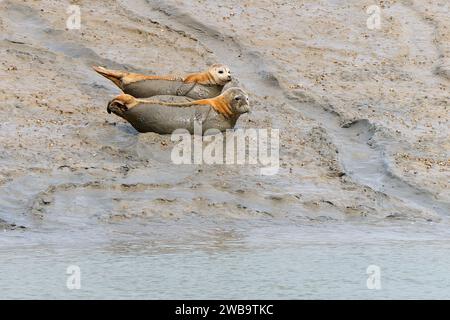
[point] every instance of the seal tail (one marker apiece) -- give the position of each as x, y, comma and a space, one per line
113, 75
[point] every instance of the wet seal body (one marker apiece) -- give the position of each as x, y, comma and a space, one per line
201, 85
167, 114
150, 88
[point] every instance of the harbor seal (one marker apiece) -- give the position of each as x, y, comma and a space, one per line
202, 85
167, 114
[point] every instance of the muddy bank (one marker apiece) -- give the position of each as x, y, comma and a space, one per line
363, 114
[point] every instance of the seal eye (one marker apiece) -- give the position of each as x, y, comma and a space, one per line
237, 98
220, 71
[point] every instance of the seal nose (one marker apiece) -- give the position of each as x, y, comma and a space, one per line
229, 77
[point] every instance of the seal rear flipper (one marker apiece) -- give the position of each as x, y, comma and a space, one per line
120, 104
113, 75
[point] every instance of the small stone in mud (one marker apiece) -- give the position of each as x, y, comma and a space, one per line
395, 215
46, 200
275, 197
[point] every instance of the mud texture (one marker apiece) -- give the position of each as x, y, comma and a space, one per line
363, 117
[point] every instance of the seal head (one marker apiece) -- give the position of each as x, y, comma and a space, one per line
237, 100
220, 73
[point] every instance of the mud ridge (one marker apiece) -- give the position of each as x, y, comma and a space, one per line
54, 40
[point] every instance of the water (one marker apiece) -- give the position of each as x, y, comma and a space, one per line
291, 262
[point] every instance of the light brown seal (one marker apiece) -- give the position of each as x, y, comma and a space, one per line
202, 85
164, 117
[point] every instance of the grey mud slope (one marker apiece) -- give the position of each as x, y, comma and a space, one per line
69, 168
365, 149
362, 159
